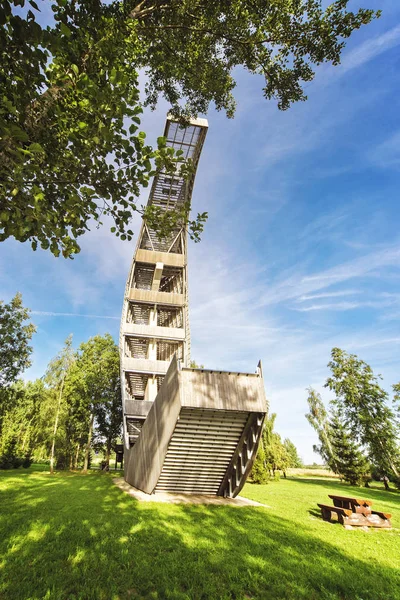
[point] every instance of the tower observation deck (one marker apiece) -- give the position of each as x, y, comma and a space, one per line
186, 430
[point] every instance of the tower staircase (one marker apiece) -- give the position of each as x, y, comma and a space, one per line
185, 430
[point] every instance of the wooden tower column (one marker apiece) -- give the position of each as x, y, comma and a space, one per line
154, 324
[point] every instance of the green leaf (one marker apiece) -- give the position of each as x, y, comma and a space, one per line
36, 148
65, 30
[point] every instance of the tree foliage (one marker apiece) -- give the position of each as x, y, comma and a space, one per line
53, 418
273, 455
364, 406
95, 387
295, 462
350, 462
71, 149
15, 335
319, 420
20, 426
360, 432
57, 371
396, 398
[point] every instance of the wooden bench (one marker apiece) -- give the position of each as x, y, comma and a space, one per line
355, 512
327, 511
382, 515
358, 505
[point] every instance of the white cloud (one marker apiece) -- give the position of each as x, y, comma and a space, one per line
344, 306
298, 285
328, 295
370, 49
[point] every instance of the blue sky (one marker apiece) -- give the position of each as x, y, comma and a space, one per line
302, 247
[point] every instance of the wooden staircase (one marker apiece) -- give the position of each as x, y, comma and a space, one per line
201, 434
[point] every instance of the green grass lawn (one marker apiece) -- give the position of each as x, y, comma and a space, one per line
71, 536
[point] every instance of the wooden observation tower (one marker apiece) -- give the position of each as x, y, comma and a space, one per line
185, 430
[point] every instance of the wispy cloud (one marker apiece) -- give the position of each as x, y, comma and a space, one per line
325, 224
297, 285
387, 154
344, 306
370, 50
312, 125
327, 295
44, 313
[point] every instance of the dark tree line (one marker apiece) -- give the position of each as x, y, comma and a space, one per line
74, 408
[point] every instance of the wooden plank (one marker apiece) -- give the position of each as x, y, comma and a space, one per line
223, 390
167, 258
154, 332
359, 501
342, 511
147, 455
139, 408
382, 515
152, 297
144, 365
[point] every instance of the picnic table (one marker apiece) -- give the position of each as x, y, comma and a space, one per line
357, 505
354, 511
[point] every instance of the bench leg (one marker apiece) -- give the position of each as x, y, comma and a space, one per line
326, 514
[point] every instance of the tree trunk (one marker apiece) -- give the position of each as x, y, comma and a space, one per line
53, 445
329, 446
78, 447
108, 452
89, 441
25, 438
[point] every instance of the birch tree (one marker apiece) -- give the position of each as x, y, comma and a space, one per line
55, 377
319, 420
94, 383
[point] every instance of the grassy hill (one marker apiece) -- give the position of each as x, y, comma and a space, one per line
73, 537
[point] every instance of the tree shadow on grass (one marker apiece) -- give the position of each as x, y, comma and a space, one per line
75, 537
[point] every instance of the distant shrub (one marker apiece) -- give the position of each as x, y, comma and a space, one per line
27, 461
61, 463
9, 458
